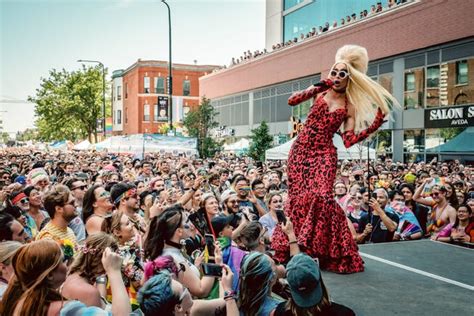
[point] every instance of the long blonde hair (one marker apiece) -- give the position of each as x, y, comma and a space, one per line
364, 93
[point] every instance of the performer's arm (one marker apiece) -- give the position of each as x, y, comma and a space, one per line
312, 91
350, 138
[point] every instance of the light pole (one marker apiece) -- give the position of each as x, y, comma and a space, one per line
103, 90
170, 81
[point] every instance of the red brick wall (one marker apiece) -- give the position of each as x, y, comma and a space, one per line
410, 27
136, 97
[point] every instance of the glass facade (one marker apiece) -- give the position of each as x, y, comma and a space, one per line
317, 13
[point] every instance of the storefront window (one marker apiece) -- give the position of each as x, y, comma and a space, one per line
384, 142
409, 158
433, 139
414, 140
457, 89
414, 89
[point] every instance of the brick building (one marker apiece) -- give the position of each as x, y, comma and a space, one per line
138, 90
422, 51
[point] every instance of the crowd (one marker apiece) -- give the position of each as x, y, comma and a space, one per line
317, 30
99, 233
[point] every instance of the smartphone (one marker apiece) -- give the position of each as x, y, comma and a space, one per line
259, 164
374, 195
281, 216
209, 238
212, 269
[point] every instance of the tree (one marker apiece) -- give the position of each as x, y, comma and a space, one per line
261, 141
68, 104
26, 135
5, 137
199, 123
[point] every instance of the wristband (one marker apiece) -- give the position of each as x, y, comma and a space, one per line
101, 279
229, 295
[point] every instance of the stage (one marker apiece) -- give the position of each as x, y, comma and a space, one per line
408, 278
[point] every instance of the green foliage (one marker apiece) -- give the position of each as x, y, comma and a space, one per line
68, 104
261, 141
449, 133
26, 135
199, 124
4, 137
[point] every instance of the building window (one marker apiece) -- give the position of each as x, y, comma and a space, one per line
155, 112
432, 77
146, 84
126, 90
414, 89
432, 86
414, 140
186, 87
119, 93
146, 112
119, 117
126, 116
461, 72
159, 85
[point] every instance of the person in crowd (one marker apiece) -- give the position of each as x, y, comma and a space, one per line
270, 220
78, 189
86, 281
340, 193
257, 276
259, 191
248, 203
441, 212
97, 204
125, 199
39, 271
461, 230
309, 295
420, 211
35, 210
11, 229
59, 204
355, 211
164, 236
163, 295
7, 250
129, 248
408, 226
381, 224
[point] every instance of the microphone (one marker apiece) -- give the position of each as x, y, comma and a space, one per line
325, 83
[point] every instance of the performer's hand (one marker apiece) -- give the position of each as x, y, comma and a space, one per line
328, 83
288, 227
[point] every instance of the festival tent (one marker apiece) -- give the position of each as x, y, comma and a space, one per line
84, 145
460, 147
139, 143
355, 152
239, 146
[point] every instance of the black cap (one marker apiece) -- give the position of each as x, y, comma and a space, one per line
220, 222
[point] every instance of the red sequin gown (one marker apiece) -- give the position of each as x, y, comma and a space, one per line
319, 222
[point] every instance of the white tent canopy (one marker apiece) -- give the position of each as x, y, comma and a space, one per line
84, 145
355, 152
242, 144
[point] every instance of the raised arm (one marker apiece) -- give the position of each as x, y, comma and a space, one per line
350, 138
312, 91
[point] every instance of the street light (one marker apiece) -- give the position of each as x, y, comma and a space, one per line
103, 89
170, 82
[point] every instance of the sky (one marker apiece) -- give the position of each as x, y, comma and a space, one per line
39, 35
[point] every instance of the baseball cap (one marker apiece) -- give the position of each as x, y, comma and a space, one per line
220, 222
226, 195
304, 279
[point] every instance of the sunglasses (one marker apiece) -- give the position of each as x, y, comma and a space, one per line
234, 201
435, 194
341, 74
24, 200
82, 187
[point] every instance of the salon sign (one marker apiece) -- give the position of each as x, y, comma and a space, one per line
453, 116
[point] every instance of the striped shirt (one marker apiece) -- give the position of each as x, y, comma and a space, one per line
51, 231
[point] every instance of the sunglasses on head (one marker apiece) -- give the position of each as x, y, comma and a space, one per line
341, 73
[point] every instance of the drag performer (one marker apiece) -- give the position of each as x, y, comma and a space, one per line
351, 99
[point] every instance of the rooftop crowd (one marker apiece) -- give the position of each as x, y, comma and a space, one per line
318, 30
100, 233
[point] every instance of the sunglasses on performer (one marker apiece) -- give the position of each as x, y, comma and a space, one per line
341, 74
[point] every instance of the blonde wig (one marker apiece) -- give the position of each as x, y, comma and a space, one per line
363, 93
